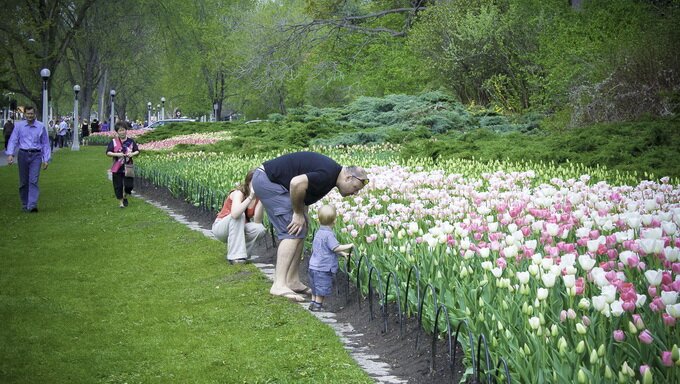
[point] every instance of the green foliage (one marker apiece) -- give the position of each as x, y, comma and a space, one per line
645, 146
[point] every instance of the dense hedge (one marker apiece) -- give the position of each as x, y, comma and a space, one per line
651, 147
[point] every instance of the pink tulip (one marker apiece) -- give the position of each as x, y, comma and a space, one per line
643, 369
651, 291
619, 335
666, 278
646, 338
637, 320
667, 358
579, 285
675, 286
563, 316
585, 320
668, 320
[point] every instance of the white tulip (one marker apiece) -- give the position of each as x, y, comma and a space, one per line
600, 278
669, 228
654, 277
599, 303
496, 272
567, 260
531, 244
487, 265
533, 269
672, 254
552, 229
669, 297
542, 294
523, 277
548, 280
547, 263
617, 308
535, 323
493, 227
586, 262
650, 205
641, 300
673, 310
582, 232
652, 233
569, 280
609, 293
484, 252
510, 251
509, 240
593, 245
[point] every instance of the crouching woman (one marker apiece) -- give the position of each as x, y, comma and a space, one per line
239, 223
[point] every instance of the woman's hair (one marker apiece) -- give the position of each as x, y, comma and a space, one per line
327, 215
245, 186
121, 124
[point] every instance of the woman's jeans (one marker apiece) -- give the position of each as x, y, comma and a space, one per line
240, 236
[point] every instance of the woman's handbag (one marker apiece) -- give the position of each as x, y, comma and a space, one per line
129, 170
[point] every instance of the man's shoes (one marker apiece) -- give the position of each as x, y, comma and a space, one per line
125, 202
33, 210
237, 261
316, 307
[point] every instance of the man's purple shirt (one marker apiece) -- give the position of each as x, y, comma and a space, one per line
30, 136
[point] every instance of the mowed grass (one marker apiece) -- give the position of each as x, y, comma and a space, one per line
91, 293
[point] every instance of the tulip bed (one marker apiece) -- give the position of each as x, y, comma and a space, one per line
572, 274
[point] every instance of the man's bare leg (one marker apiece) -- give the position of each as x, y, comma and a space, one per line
285, 255
293, 276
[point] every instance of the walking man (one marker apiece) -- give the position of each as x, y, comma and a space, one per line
31, 137
61, 135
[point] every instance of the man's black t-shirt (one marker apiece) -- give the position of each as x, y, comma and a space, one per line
322, 172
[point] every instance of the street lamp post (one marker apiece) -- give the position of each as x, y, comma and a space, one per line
45, 74
113, 105
158, 112
215, 106
148, 118
75, 146
162, 107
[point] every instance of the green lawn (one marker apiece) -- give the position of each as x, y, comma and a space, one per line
91, 293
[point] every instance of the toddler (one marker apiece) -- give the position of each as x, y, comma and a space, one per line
324, 261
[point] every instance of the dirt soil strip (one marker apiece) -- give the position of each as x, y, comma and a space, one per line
400, 355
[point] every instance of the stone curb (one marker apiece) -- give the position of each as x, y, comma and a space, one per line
371, 364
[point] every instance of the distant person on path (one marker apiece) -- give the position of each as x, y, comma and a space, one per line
122, 149
84, 131
61, 133
105, 126
30, 136
7, 130
52, 132
94, 126
323, 265
239, 223
287, 185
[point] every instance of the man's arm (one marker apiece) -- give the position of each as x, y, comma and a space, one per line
298, 190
